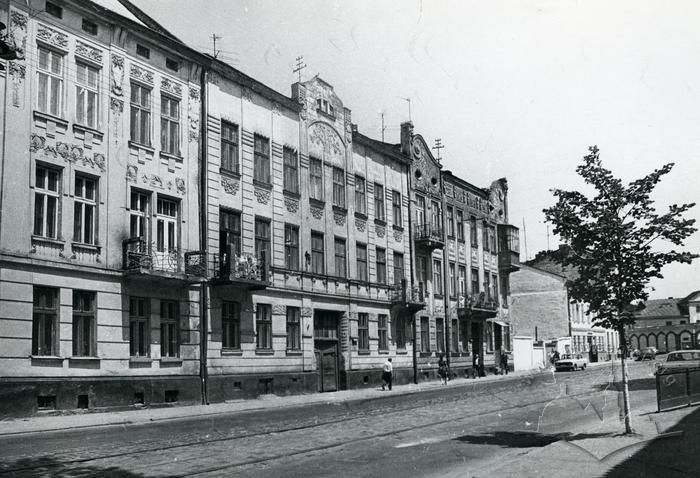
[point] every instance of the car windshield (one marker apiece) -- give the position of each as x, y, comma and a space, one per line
683, 356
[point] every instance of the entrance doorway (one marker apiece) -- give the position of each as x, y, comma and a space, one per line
477, 337
326, 349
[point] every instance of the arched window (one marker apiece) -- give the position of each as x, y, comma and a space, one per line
671, 342
652, 340
661, 339
634, 342
686, 340
642, 341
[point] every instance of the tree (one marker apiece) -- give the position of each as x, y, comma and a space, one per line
610, 239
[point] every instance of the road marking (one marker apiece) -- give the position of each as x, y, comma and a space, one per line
423, 441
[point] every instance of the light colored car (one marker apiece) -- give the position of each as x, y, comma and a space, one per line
678, 360
571, 362
646, 353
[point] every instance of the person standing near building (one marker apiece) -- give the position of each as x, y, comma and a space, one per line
442, 369
504, 362
476, 371
387, 373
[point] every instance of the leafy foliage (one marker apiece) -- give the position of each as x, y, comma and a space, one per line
610, 238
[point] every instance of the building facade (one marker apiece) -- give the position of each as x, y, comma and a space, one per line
667, 324
99, 237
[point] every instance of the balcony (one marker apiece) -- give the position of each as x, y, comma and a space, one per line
141, 258
410, 298
243, 270
429, 236
508, 248
479, 305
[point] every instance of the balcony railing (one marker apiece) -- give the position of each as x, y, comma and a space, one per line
243, 268
480, 301
412, 298
429, 235
146, 257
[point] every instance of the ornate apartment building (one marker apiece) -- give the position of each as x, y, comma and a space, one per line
174, 231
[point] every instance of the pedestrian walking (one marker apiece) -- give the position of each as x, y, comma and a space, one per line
442, 369
504, 361
387, 373
476, 370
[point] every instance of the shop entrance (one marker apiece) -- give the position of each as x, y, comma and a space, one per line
326, 349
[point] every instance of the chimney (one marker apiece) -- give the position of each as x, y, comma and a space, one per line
406, 136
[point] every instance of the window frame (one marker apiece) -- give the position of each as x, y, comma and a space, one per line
339, 187
141, 318
45, 321
473, 232
141, 130
263, 326
230, 147
46, 218
379, 210
380, 262
360, 195
396, 208
341, 259
51, 83
460, 225
261, 159
290, 166
139, 214
170, 124
363, 331
85, 227
318, 254
316, 179
399, 272
263, 239
168, 223
424, 334
84, 323
230, 325
450, 222
437, 277
452, 270
362, 270
383, 332
91, 91
462, 280
440, 334
293, 322
169, 329
474, 279
291, 247
229, 233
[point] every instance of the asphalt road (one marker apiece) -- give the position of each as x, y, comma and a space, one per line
453, 430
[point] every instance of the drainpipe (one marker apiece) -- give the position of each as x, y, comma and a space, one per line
445, 269
203, 236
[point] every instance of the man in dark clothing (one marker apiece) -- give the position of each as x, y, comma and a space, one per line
504, 362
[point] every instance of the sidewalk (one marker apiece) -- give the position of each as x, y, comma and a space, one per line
137, 416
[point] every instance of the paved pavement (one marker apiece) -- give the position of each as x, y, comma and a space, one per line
566, 424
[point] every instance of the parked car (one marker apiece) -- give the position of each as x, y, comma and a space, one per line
571, 362
678, 360
646, 353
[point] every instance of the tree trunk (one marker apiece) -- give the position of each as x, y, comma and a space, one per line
625, 383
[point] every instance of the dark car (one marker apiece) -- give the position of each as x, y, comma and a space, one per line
646, 353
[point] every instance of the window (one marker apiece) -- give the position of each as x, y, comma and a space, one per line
400, 336
440, 334
485, 238
464, 334
316, 179
420, 211
435, 217
422, 273
360, 196
361, 251
139, 329
293, 328
87, 95
261, 166
450, 221
291, 247
229, 147
325, 106
46, 196
143, 51
83, 324
494, 287
229, 235
492, 239
50, 87
45, 321
473, 233
166, 226
338, 187
263, 326
396, 208
363, 331
383, 329
170, 125
398, 268
437, 277
381, 265
231, 325
138, 215
453, 280
89, 27
262, 240
84, 216
487, 285
169, 336
475, 281
454, 332
460, 225
462, 281
424, 335
140, 114
379, 202
317, 253
291, 170
171, 64
340, 259
54, 10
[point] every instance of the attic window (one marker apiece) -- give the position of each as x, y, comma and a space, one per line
54, 10
89, 27
172, 64
143, 51
325, 107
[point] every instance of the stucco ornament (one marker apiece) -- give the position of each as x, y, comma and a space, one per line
326, 139
339, 218
317, 212
132, 172
292, 205
87, 51
117, 68
398, 235
180, 185
18, 33
168, 85
141, 74
360, 224
230, 186
380, 230
52, 37
262, 195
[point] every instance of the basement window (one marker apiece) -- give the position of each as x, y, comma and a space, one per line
171, 396
83, 402
138, 398
46, 402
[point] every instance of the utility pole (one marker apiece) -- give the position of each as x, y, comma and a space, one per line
215, 37
438, 146
300, 65
525, 238
383, 127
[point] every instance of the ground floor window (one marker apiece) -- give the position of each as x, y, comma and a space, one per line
400, 336
169, 336
440, 334
84, 324
383, 331
424, 334
464, 333
231, 325
293, 328
45, 321
454, 333
363, 331
263, 326
139, 331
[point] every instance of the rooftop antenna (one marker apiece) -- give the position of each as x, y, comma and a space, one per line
383, 127
438, 146
408, 100
525, 238
215, 37
299, 66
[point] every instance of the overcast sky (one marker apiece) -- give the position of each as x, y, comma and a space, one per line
516, 89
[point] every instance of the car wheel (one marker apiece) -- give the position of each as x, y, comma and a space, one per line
584, 366
575, 367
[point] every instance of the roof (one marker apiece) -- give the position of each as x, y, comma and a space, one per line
450, 177
549, 261
393, 150
660, 308
115, 6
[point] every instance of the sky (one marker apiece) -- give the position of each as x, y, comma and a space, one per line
516, 89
